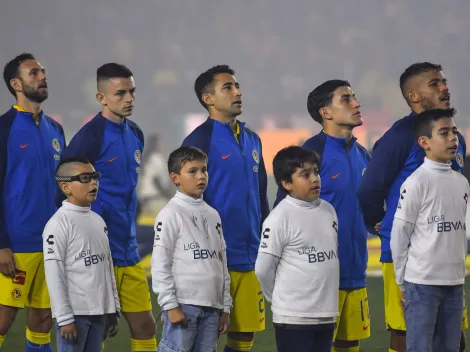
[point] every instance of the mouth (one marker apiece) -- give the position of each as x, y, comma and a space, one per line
94, 192
201, 185
445, 98
453, 149
129, 107
315, 189
358, 114
237, 102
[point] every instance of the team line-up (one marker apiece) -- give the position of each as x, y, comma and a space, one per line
68, 249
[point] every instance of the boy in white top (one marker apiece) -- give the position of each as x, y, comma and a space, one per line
297, 264
189, 262
428, 239
78, 264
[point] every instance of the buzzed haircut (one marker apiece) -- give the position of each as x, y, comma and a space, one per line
424, 122
205, 81
112, 70
12, 69
414, 70
64, 166
179, 157
323, 96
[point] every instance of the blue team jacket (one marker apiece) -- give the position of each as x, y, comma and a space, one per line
395, 156
237, 187
341, 170
114, 149
29, 155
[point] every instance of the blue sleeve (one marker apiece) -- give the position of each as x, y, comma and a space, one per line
6, 122
463, 144
317, 144
388, 159
263, 189
200, 137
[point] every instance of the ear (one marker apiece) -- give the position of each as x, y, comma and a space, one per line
65, 188
413, 97
100, 98
208, 99
287, 185
175, 178
15, 83
423, 142
325, 113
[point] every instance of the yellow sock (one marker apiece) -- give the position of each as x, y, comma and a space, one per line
390, 350
2, 339
102, 347
239, 345
144, 345
347, 349
39, 338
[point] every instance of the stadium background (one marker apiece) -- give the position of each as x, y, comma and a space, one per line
280, 50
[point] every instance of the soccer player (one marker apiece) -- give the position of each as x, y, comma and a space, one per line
78, 263
428, 240
189, 261
333, 104
114, 145
238, 191
297, 264
30, 148
396, 155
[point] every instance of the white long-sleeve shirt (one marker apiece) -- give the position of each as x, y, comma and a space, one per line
78, 264
303, 283
428, 239
189, 261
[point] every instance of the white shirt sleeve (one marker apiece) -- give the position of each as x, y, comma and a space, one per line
167, 228
265, 269
227, 298
273, 236
410, 201
399, 245
113, 281
55, 238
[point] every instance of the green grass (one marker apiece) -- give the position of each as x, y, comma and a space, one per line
264, 341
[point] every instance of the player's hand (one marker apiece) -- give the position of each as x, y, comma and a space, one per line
69, 331
7, 262
176, 316
113, 325
402, 300
377, 227
224, 322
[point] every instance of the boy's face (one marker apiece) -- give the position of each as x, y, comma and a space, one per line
442, 147
192, 179
78, 193
306, 183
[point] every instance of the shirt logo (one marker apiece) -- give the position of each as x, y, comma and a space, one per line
111, 160
20, 277
364, 171
22, 146
226, 156
255, 155
56, 145
137, 156
334, 176
459, 159
16, 294
49, 240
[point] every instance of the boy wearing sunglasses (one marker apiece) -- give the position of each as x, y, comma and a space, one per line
78, 263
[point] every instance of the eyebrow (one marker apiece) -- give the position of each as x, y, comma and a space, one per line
125, 90
227, 84
435, 80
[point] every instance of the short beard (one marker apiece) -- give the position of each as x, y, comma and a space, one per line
426, 103
34, 95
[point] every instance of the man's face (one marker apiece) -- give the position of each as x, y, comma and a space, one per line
117, 95
227, 96
32, 81
344, 109
431, 90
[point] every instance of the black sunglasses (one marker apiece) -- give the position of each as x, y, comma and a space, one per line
82, 178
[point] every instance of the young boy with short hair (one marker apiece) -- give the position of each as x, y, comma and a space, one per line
189, 262
428, 239
297, 264
78, 263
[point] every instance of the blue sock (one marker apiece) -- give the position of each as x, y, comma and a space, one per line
34, 347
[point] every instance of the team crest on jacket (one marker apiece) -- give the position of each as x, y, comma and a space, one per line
137, 156
56, 145
459, 159
255, 155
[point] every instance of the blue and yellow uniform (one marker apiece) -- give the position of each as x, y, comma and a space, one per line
237, 189
115, 149
342, 165
29, 155
396, 155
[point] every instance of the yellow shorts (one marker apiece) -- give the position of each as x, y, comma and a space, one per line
133, 288
353, 323
247, 314
394, 315
28, 288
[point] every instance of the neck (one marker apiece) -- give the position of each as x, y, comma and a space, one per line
436, 159
112, 116
78, 203
417, 109
219, 116
338, 131
27, 105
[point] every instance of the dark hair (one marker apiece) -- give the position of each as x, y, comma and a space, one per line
416, 69
184, 155
12, 69
74, 159
287, 161
423, 123
205, 81
112, 70
322, 96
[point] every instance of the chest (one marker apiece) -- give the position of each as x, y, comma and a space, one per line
88, 246
200, 231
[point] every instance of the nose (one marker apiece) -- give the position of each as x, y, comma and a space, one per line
356, 104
